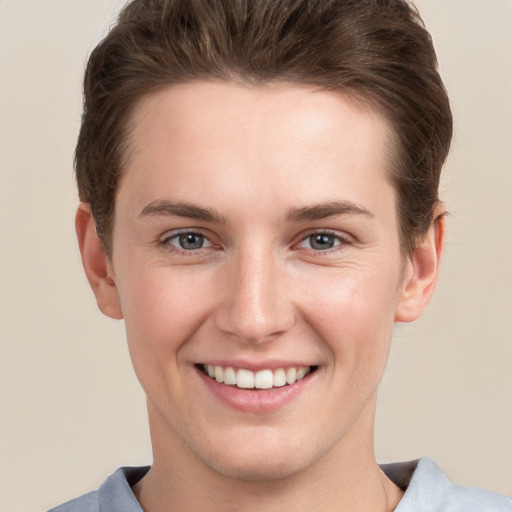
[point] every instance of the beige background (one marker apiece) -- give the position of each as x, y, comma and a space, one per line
71, 409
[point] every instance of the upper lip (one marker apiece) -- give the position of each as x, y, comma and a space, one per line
255, 366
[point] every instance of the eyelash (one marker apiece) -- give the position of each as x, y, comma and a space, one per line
343, 241
166, 242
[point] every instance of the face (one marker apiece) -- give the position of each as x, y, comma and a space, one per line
257, 263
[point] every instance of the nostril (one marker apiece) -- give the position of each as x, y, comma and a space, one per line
252, 328
255, 308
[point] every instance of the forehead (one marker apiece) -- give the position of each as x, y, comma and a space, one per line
207, 140
200, 108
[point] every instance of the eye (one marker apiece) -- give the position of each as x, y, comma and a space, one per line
322, 241
188, 241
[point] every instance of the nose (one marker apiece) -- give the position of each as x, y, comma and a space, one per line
257, 305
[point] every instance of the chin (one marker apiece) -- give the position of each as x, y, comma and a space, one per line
258, 462
269, 470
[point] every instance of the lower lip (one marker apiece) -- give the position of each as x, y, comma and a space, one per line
256, 400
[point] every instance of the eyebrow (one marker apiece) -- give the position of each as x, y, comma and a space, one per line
306, 213
325, 210
182, 209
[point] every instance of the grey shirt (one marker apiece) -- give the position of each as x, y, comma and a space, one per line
427, 489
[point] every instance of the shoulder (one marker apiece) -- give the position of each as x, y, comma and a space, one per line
428, 489
113, 495
87, 503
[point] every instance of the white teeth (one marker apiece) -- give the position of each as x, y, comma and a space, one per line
291, 375
263, 379
219, 374
302, 372
245, 379
229, 376
279, 378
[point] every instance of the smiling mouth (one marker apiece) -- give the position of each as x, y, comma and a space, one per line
263, 379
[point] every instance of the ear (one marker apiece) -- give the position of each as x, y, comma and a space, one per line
421, 272
97, 266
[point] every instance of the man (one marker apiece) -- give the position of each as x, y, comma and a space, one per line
259, 203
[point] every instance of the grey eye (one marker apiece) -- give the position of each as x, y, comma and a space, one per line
322, 241
189, 241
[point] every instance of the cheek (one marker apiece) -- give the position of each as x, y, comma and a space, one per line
354, 315
162, 309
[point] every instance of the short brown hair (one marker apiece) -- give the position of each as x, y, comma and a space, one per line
377, 51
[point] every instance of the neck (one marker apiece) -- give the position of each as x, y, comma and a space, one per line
346, 479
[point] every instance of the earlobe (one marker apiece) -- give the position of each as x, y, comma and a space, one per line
420, 276
96, 264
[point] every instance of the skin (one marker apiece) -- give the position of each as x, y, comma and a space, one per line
273, 167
